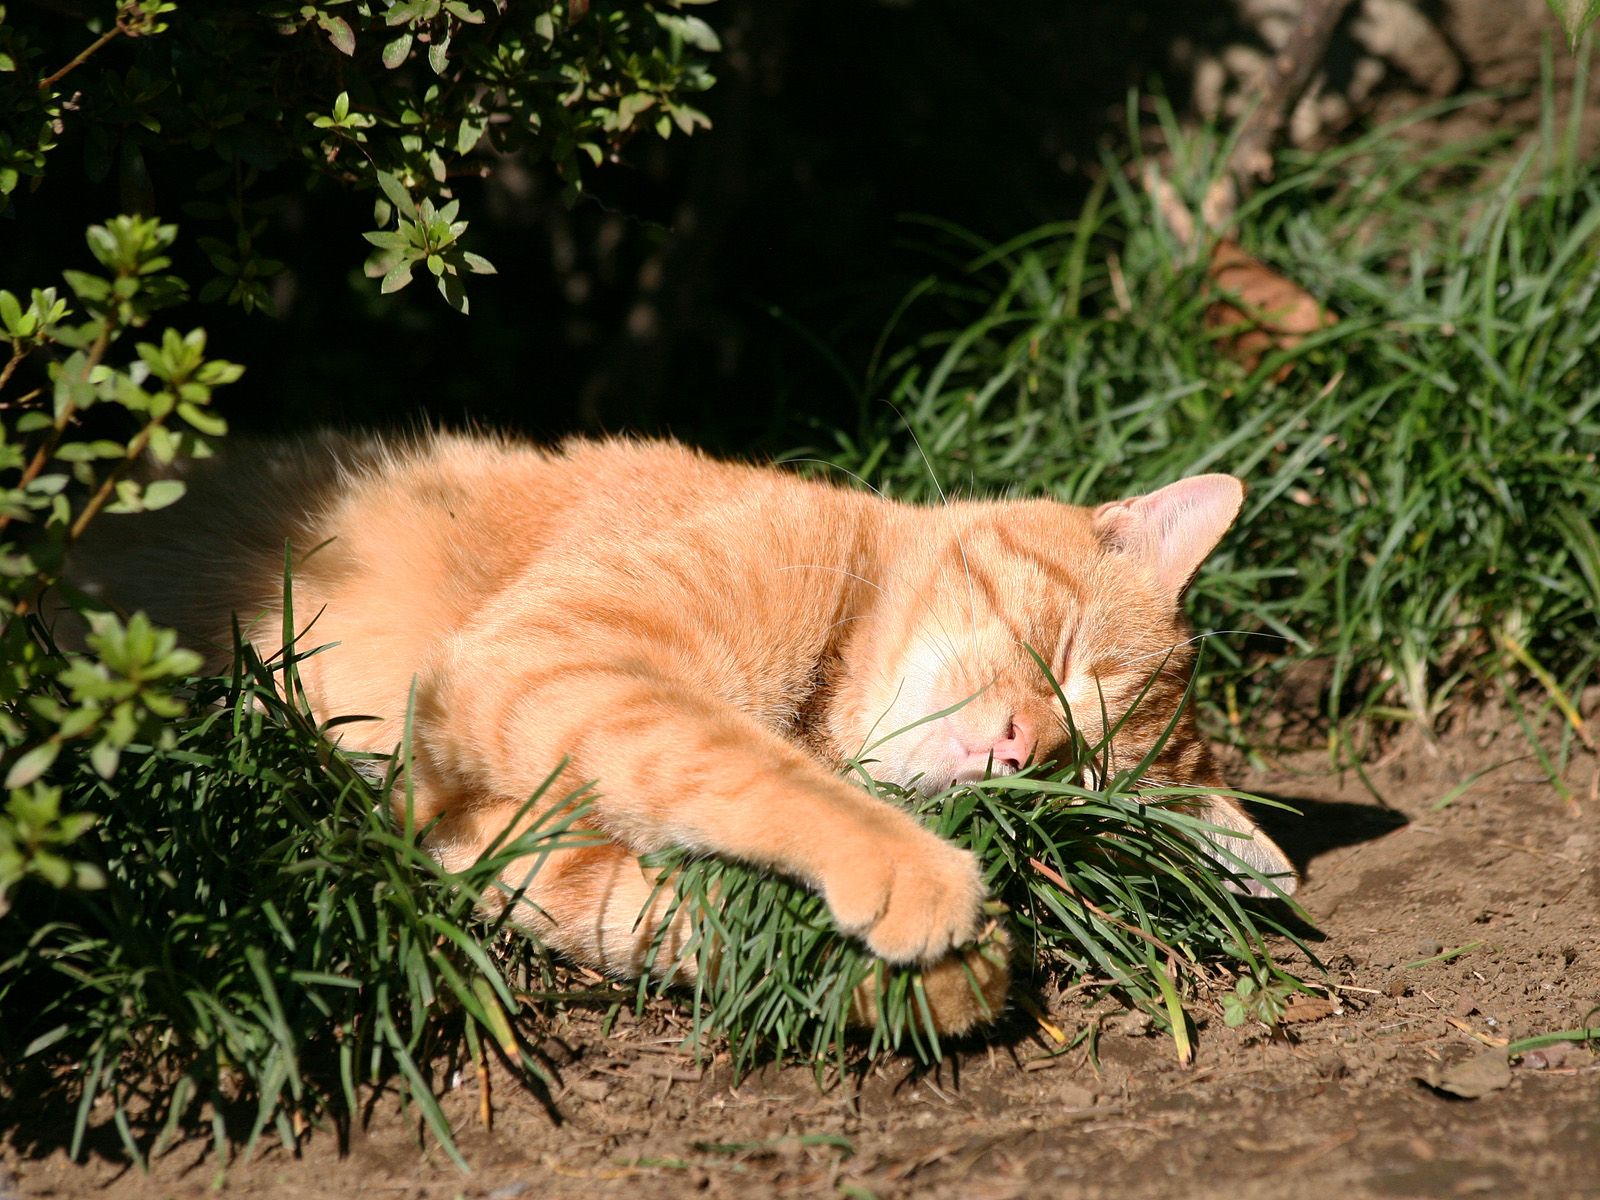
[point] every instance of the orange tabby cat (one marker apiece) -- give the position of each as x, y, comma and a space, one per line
707, 641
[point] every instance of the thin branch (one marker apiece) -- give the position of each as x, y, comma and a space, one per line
99, 43
17, 355
1287, 76
109, 483
47, 447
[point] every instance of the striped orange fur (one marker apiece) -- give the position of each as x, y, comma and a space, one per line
708, 641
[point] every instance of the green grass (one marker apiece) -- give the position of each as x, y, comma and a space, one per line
268, 943
1424, 481
1115, 887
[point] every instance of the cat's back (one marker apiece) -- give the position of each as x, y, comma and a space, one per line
416, 532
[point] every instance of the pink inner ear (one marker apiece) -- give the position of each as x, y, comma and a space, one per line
1174, 529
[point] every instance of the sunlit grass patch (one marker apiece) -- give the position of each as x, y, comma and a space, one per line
1423, 473
1117, 888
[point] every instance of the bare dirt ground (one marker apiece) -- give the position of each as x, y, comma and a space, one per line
1332, 1107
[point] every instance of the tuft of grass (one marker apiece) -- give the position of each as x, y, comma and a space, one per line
1423, 473
1117, 886
269, 941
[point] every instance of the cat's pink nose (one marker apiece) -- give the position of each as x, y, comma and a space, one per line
1016, 748
1005, 755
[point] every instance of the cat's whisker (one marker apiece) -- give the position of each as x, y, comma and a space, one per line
972, 595
845, 621
835, 466
1199, 637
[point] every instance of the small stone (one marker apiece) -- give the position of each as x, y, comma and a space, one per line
592, 1089
1485, 1072
1562, 1054
1466, 1004
1073, 1096
1396, 987
1427, 948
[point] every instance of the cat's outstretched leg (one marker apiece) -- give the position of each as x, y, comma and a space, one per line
599, 906
677, 767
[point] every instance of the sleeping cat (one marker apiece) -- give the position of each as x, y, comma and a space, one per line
709, 642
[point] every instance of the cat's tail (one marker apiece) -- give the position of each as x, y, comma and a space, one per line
218, 550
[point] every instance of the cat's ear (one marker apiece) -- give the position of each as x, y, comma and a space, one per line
1174, 529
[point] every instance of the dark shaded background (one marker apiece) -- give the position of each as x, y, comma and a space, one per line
730, 284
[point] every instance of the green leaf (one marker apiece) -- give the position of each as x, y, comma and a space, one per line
468, 133
207, 423
32, 764
339, 33
391, 187
1575, 16
454, 294
341, 106
159, 493
11, 315
395, 52
104, 758
398, 277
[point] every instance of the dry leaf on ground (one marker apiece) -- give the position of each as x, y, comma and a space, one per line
1258, 309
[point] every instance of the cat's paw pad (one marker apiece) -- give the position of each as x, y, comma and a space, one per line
909, 903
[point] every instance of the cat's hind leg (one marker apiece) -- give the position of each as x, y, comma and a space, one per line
598, 905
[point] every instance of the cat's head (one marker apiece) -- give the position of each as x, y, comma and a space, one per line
945, 689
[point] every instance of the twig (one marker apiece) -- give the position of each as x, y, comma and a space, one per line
1287, 76
109, 483
68, 411
99, 43
1054, 877
485, 1095
17, 355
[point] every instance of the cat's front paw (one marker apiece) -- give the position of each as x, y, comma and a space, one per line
912, 900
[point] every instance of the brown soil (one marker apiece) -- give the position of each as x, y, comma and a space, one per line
1332, 1107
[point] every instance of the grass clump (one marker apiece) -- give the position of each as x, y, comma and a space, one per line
267, 940
1117, 886
1423, 472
